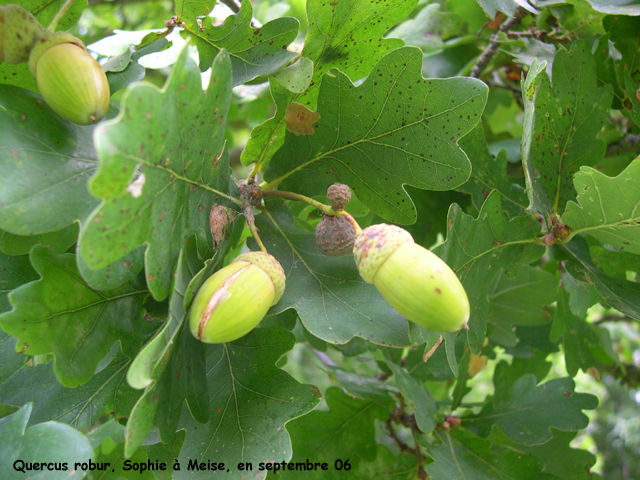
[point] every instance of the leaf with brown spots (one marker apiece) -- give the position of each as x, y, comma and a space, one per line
167, 142
569, 116
253, 51
396, 128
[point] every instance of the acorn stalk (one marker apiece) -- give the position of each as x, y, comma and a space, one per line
236, 298
415, 281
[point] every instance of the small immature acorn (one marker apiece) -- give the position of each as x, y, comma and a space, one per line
236, 298
415, 281
70, 79
338, 196
335, 236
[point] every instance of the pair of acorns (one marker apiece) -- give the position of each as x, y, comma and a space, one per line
68, 77
416, 282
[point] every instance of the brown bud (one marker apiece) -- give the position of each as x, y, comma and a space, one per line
454, 421
335, 236
250, 192
338, 196
219, 218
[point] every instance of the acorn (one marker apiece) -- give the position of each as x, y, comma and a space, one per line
335, 236
415, 281
236, 298
20, 31
70, 79
338, 196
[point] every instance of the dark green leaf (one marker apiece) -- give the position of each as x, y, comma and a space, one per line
462, 455
250, 402
366, 388
62, 315
106, 393
621, 294
346, 431
333, 301
490, 173
45, 163
532, 410
478, 250
425, 406
506, 375
408, 135
45, 442
160, 171
520, 301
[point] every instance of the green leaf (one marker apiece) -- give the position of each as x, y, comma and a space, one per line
508, 7
106, 393
253, 51
333, 301
461, 388
619, 293
268, 137
624, 32
479, 250
463, 455
490, 173
115, 274
296, 77
582, 295
580, 339
160, 171
250, 402
348, 35
346, 431
387, 465
361, 23
425, 406
520, 301
608, 208
62, 315
396, 128
428, 29
366, 388
617, 7
170, 367
45, 163
45, 442
58, 241
532, 410
560, 136
125, 69
506, 375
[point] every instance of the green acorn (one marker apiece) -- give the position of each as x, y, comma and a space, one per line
70, 79
416, 282
236, 298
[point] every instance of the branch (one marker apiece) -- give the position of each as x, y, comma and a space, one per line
613, 318
492, 48
234, 5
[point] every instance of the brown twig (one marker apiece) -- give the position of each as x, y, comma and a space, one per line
492, 48
234, 5
613, 318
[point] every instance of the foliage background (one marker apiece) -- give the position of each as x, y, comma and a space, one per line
446, 32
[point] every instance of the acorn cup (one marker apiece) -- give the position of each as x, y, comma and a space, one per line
20, 31
70, 79
236, 298
335, 236
416, 282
